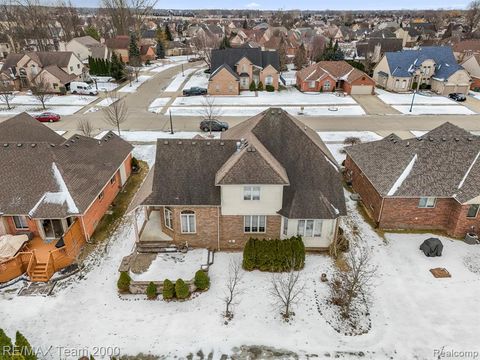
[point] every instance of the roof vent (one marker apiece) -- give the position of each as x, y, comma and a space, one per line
77, 137
19, 145
394, 141
180, 142
457, 139
67, 145
430, 138
33, 145
5, 145
239, 145
165, 142
408, 143
222, 143
444, 138
52, 145
72, 140
469, 139
208, 142
194, 142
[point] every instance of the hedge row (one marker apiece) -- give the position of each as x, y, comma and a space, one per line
21, 351
274, 255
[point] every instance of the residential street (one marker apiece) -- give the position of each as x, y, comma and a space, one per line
380, 116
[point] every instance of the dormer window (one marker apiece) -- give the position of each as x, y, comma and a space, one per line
251, 193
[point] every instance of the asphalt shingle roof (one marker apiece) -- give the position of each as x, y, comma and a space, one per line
446, 164
232, 56
401, 63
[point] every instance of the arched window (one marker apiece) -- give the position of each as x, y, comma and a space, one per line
188, 221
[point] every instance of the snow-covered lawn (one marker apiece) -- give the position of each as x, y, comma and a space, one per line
434, 110
290, 77
70, 100
412, 312
174, 266
404, 99
145, 153
35, 110
152, 136
157, 105
198, 79
106, 102
178, 80
254, 110
340, 136
290, 96
135, 84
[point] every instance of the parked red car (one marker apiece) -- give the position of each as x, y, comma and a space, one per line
47, 117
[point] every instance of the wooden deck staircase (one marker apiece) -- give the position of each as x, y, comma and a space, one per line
39, 273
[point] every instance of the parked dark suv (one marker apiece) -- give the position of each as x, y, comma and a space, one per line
194, 91
457, 97
216, 125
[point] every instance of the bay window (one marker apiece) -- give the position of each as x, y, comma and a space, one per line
309, 228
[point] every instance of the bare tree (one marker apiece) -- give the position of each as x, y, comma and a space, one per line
352, 140
356, 282
128, 14
136, 65
116, 113
203, 45
85, 126
41, 90
6, 93
473, 16
286, 290
209, 111
231, 288
67, 16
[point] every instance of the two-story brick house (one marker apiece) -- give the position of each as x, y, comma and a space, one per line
268, 177
429, 182
234, 69
56, 190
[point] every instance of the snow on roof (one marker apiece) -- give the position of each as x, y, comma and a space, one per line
402, 176
62, 196
468, 171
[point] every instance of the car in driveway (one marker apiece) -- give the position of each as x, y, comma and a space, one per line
47, 117
457, 97
213, 125
194, 91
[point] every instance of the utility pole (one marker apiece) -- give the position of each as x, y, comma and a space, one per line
171, 124
415, 91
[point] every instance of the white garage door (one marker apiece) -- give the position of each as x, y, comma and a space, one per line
361, 89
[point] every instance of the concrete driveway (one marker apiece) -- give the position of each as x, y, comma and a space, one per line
372, 105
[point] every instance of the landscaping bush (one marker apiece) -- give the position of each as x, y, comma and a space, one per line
260, 86
253, 87
123, 282
23, 347
202, 281
181, 289
269, 88
321, 88
151, 291
135, 165
274, 255
5, 344
168, 290
414, 85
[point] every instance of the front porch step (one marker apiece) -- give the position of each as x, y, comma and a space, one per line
156, 247
39, 273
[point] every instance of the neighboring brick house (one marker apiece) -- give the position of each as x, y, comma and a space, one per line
234, 69
86, 46
57, 190
433, 67
329, 76
466, 48
58, 68
119, 45
268, 177
429, 182
472, 65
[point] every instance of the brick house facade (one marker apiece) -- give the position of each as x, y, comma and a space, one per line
244, 190
410, 201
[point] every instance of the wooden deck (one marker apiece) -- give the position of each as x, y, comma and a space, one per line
41, 248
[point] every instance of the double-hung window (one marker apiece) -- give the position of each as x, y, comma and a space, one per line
254, 223
188, 222
427, 202
251, 193
309, 228
168, 218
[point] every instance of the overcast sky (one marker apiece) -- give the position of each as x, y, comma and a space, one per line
302, 4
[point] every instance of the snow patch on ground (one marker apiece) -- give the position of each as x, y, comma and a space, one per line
434, 110
340, 136
135, 84
145, 153
70, 100
158, 104
174, 266
199, 79
405, 99
178, 80
35, 110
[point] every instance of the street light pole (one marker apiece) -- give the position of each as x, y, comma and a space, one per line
171, 124
182, 70
415, 91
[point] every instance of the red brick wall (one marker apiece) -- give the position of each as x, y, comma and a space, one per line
11, 229
98, 208
360, 183
475, 83
304, 85
232, 235
460, 224
404, 213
